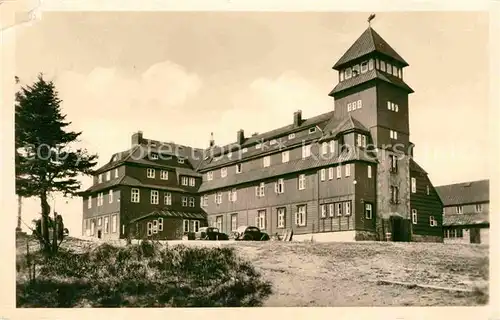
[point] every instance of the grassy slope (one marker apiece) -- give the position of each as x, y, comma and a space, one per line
345, 274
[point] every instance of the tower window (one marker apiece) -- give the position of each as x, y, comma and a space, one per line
348, 73
377, 64
341, 75
395, 71
355, 70
364, 66
393, 134
370, 64
382, 65
389, 68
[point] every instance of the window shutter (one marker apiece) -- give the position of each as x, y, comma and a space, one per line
296, 218
257, 191
257, 220
275, 187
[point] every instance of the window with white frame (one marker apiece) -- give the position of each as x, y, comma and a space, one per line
324, 148
100, 178
92, 227
302, 182
238, 168
261, 190
348, 170
428, 190
459, 209
258, 145
192, 182
339, 172
332, 146
184, 181
323, 209
393, 163
234, 222
100, 199
285, 156
223, 172
272, 142
312, 130
414, 216
331, 209
150, 173
180, 160
153, 156
205, 200
108, 175
210, 175
185, 224
150, 228
89, 202
244, 150
261, 219
338, 206
370, 64
164, 175
291, 136
348, 73
196, 225
167, 199
382, 65
184, 201
218, 223
393, 134
389, 67
155, 198
364, 66
99, 222
369, 171
358, 136
266, 161
106, 224
232, 195
280, 186
348, 208
432, 221
280, 212
330, 173
110, 196
191, 202
218, 197
135, 195
323, 174
479, 207
116, 173
359, 104
306, 151
114, 223
413, 185
300, 216
368, 211
160, 224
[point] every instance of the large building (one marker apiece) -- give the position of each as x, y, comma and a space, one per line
466, 211
346, 175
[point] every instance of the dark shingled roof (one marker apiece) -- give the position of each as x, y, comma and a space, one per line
369, 42
172, 214
466, 219
465, 192
369, 76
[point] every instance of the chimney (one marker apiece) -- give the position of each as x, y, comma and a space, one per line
137, 138
240, 137
297, 118
212, 141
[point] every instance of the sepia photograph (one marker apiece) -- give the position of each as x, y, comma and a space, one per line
194, 159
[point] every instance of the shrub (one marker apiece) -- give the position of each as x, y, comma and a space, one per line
145, 275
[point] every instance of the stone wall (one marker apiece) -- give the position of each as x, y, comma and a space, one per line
366, 236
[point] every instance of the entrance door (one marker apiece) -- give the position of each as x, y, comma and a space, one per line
398, 229
475, 235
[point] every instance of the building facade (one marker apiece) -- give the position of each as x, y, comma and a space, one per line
345, 175
466, 212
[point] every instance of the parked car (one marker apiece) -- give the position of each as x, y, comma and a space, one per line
210, 233
250, 233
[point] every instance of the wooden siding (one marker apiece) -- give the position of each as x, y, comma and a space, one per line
467, 208
174, 180
365, 193
426, 206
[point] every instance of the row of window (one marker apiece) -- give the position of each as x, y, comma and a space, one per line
478, 208
191, 225
107, 174
185, 181
279, 185
155, 226
392, 106
414, 187
100, 199
155, 198
351, 106
414, 218
90, 225
365, 66
335, 209
154, 156
453, 233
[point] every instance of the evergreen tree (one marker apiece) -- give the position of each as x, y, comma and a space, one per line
45, 161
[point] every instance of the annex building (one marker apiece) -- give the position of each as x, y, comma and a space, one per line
345, 175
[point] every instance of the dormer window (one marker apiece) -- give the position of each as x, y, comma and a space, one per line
258, 146
312, 130
153, 156
230, 155
355, 70
364, 66
341, 75
370, 64
348, 73
244, 150
291, 136
382, 65
180, 160
272, 142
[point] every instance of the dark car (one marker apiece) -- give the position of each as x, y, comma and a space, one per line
250, 233
210, 233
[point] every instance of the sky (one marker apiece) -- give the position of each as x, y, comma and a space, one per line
178, 76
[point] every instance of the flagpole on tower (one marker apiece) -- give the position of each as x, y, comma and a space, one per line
370, 18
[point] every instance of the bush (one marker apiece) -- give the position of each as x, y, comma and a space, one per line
145, 275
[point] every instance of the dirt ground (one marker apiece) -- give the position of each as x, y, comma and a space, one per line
347, 274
